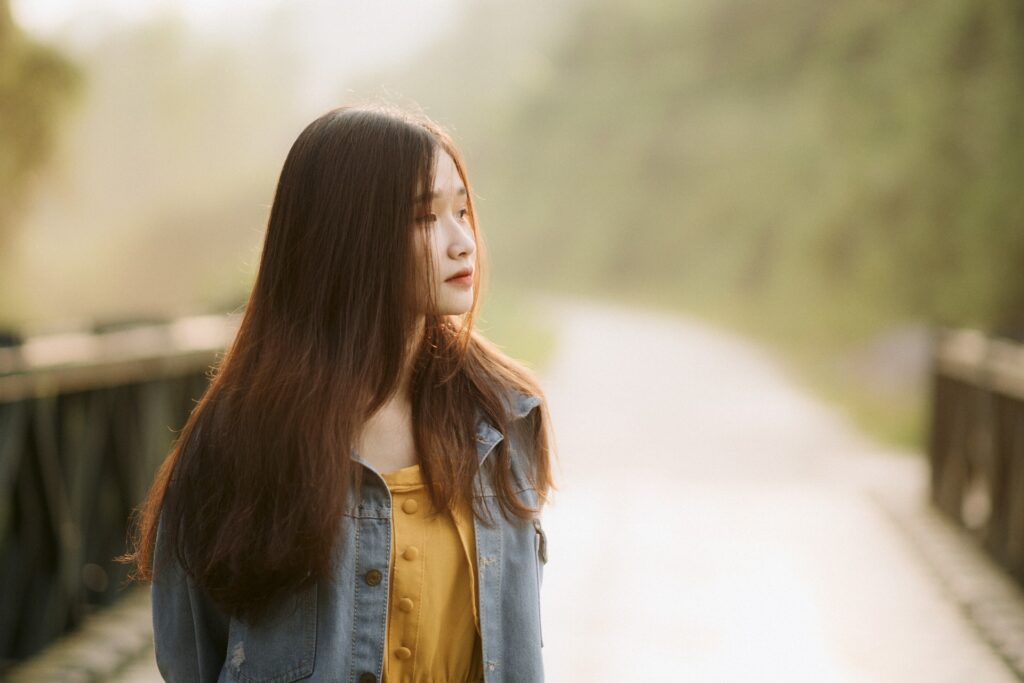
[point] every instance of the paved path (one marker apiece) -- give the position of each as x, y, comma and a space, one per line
716, 524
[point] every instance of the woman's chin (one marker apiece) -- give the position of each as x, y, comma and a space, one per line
455, 309
456, 305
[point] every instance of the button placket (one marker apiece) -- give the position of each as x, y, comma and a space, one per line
407, 582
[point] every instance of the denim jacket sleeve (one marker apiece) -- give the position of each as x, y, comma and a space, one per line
189, 632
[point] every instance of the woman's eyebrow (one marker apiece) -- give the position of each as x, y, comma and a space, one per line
427, 196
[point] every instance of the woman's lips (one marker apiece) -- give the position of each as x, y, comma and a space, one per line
465, 280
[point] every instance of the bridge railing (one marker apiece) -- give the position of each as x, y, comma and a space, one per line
85, 420
976, 440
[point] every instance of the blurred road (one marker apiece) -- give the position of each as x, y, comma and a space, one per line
714, 524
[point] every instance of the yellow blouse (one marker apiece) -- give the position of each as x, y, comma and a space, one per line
433, 631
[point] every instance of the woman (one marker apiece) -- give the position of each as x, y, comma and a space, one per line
356, 497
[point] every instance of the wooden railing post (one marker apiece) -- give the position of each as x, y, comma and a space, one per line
976, 440
85, 420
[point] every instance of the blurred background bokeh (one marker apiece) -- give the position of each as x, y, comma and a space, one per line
832, 176
829, 179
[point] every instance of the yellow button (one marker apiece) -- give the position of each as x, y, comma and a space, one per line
410, 506
405, 604
411, 553
403, 653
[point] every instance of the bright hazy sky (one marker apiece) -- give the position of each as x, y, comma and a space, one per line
336, 38
50, 17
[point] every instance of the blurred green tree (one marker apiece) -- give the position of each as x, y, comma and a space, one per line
37, 84
826, 167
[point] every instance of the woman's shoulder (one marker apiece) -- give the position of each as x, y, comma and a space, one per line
518, 405
521, 403
523, 413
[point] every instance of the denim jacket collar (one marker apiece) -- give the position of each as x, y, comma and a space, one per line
518, 404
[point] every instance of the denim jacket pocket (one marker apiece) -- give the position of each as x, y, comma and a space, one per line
279, 648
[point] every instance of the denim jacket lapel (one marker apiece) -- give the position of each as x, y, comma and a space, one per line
490, 540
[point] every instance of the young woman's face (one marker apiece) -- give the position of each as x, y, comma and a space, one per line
442, 222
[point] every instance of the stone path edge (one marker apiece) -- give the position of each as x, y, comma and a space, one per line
991, 601
107, 641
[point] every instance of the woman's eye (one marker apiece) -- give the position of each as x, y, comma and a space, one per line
430, 217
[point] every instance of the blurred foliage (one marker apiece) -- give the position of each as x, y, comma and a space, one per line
159, 202
37, 85
832, 164
514, 320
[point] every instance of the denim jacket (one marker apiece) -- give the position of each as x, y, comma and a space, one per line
335, 631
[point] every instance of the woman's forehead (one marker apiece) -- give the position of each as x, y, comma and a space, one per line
447, 181
446, 175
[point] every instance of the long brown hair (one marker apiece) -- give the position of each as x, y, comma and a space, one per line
256, 481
